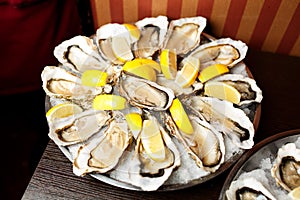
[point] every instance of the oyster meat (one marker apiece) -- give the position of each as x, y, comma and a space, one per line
77, 128
184, 34
286, 169
80, 54
145, 94
103, 152
225, 118
153, 31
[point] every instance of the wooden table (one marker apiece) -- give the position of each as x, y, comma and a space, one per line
277, 75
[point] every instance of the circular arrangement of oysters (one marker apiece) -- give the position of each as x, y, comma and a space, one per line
100, 140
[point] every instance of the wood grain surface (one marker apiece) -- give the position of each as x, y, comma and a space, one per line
277, 75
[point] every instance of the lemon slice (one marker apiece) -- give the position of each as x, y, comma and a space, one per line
222, 91
133, 30
63, 110
152, 140
109, 102
94, 78
134, 121
212, 71
121, 48
295, 193
180, 117
141, 67
168, 62
188, 74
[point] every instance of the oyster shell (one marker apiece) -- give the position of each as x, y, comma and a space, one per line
248, 188
225, 118
104, 36
286, 169
80, 54
145, 94
246, 86
205, 145
153, 31
148, 174
222, 51
60, 83
184, 34
77, 128
103, 152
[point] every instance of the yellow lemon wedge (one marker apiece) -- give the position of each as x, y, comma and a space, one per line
135, 122
222, 91
212, 71
188, 74
141, 67
109, 102
180, 117
295, 193
152, 141
168, 63
63, 110
133, 30
121, 48
93, 78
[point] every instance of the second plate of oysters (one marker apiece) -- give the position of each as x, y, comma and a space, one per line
152, 105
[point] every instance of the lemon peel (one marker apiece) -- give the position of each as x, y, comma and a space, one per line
222, 91
93, 78
188, 74
109, 102
212, 71
63, 110
135, 122
168, 62
133, 30
180, 117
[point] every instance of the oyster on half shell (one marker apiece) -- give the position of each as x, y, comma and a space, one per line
77, 128
149, 174
225, 118
103, 151
145, 94
184, 34
153, 31
286, 169
80, 54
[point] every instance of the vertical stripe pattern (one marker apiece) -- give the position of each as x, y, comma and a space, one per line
268, 25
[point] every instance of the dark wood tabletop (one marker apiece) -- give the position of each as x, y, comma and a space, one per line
277, 75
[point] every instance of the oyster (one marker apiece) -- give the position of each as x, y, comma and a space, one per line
145, 94
246, 86
205, 145
184, 34
225, 118
149, 174
109, 34
80, 54
153, 31
77, 128
102, 152
222, 51
60, 83
248, 188
286, 169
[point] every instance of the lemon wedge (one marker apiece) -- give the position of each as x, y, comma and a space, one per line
222, 91
295, 193
134, 121
188, 74
180, 117
93, 78
63, 110
109, 102
152, 140
141, 67
121, 48
133, 30
168, 63
212, 71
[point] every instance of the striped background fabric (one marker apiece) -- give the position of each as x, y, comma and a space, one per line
267, 25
